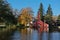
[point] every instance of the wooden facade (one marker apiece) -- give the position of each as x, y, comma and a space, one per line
42, 26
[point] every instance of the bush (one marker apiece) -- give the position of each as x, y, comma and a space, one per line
21, 26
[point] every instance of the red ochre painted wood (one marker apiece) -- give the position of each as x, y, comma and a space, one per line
42, 25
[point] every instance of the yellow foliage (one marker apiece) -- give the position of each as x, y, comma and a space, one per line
25, 16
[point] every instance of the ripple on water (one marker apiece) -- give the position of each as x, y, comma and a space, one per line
55, 36
16, 36
35, 36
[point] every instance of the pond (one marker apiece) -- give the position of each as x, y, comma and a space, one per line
35, 35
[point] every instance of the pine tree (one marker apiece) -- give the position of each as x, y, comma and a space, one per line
41, 10
48, 16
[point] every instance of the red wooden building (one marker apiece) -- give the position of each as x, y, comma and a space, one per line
40, 25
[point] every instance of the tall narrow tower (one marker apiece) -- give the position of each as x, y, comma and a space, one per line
38, 16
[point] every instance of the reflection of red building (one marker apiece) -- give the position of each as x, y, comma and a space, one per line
42, 26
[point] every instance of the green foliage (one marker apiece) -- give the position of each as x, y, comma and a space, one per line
48, 16
58, 20
6, 14
41, 10
58, 17
21, 26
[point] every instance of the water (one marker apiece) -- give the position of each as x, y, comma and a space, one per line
35, 35
55, 36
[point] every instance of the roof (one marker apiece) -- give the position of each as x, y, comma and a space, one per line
41, 23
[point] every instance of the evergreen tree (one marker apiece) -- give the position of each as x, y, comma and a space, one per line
6, 13
41, 11
48, 16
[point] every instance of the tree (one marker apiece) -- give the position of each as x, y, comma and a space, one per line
58, 20
15, 12
58, 17
6, 13
41, 10
25, 16
48, 16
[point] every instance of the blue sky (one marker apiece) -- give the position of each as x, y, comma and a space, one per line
35, 4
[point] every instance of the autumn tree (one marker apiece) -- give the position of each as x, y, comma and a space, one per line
25, 16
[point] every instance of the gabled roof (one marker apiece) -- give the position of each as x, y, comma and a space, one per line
41, 23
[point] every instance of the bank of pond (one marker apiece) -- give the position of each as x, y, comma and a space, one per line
5, 33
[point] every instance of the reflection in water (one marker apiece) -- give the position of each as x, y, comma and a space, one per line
16, 36
55, 36
45, 36
34, 35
